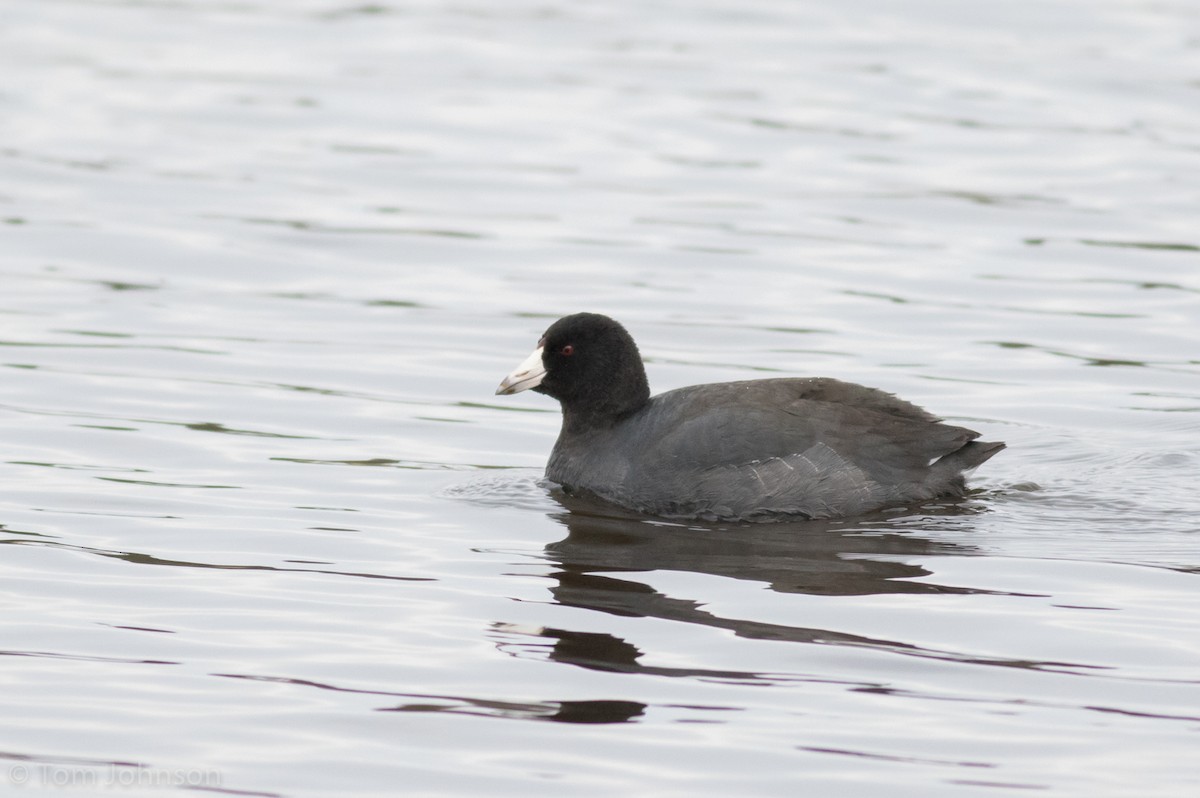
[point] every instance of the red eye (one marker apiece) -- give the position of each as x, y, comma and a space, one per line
567, 350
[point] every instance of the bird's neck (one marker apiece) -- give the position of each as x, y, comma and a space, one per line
585, 414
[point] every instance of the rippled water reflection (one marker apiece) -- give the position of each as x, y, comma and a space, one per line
266, 530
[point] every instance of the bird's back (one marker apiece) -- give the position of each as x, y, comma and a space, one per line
766, 448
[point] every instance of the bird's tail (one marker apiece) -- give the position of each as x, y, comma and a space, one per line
969, 456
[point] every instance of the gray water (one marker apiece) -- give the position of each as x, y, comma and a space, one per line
270, 533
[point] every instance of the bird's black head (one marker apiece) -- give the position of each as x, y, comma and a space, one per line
590, 364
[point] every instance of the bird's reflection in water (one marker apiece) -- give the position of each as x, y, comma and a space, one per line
843, 557
598, 561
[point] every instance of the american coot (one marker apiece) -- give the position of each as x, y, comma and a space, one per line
754, 450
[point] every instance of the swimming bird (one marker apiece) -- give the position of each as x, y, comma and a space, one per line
753, 450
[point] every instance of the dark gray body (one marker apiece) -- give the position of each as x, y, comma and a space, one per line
765, 449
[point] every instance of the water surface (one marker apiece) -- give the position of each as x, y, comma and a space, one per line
268, 531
